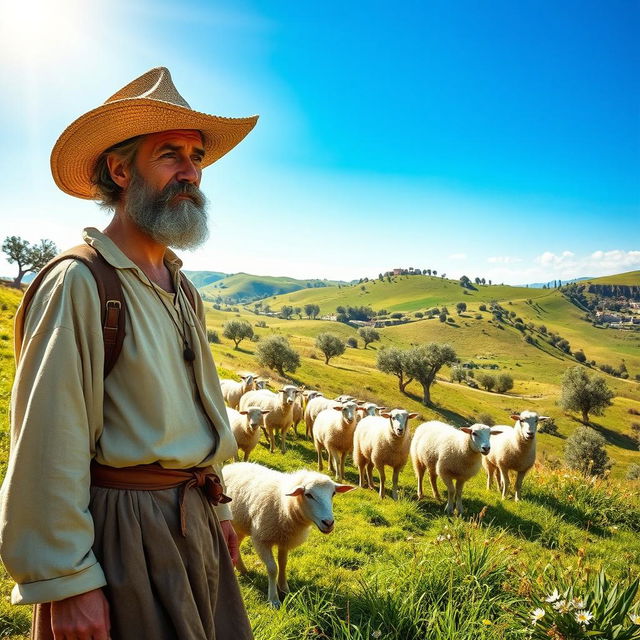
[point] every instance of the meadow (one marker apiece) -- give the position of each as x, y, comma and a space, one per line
403, 570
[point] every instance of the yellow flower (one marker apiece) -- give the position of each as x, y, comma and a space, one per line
584, 617
635, 618
487, 623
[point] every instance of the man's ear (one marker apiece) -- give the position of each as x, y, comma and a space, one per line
120, 173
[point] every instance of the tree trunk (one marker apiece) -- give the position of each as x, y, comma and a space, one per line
585, 416
18, 278
403, 385
280, 370
426, 390
326, 359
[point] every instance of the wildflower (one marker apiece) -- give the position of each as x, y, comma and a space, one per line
561, 606
584, 617
635, 618
553, 597
440, 539
487, 623
578, 603
537, 614
376, 634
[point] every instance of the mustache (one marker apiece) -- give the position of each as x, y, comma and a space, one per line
181, 188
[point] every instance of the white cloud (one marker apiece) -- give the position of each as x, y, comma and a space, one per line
550, 258
503, 259
615, 259
458, 256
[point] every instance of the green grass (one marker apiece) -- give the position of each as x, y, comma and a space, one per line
631, 278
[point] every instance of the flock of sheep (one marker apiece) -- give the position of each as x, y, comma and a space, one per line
277, 509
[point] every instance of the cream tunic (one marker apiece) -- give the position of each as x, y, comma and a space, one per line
153, 407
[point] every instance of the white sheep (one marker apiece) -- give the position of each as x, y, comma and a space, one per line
233, 390
513, 450
369, 409
452, 454
245, 426
344, 398
280, 410
381, 441
277, 509
333, 430
313, 408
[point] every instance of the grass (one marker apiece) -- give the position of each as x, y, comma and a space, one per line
402, 569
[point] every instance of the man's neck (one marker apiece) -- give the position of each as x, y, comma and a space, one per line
145, 252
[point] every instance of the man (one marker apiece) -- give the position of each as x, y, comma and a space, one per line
98, 555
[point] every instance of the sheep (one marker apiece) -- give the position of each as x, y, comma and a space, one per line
297, 413
333, 430
344, 398
280, 409
452, 454
261, 384
313, 408
513, 450
232, 390
379, 441
245, 427
278, 509
369, 409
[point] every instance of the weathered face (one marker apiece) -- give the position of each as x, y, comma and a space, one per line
398, 419
316, 500
289, 393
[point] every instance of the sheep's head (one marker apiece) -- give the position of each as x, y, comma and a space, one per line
348, 410
344, 398
255, 417
527, 423
314, 492
480, 437
289, 393
398, 420
260, 384
248, 381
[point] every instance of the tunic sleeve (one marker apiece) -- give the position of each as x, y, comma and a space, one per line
46, 529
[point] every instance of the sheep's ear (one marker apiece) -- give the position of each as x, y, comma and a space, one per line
495, 432
296, 492
383, 408
337, 408
386, 415
343, 488
466, 429
515, 416
412, 415
243, 413
542, 418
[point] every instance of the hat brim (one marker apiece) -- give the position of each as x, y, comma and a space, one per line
77, 150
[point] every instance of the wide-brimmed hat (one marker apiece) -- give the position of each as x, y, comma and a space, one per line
148, 104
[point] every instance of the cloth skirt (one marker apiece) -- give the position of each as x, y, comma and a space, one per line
161, 585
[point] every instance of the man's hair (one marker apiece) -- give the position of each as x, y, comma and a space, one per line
108, 193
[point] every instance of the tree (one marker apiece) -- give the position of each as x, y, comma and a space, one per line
28, 257
487, 381
311, 310
585, 452
237, 330
368, 335
460, 307
504, 383
286, 311
392, 361
584, 393
424, 362
331, 345
580, 356
275, 352
442, 317
298, 312
465, 282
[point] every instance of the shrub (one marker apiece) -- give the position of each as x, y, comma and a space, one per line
485, 418
396, 315
478, 316
352, 342
528, 338
262, 324
458, 374
419, 314
504, 383
483, 307
330, 344
212, 336
485, 380
633, 472
451, 320
549, 426
275, 352
579, 356
442, 317
585, 452
584, 393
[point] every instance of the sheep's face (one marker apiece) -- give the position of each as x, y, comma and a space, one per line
344, 398
261, 384
527, 423
248, 381
480, 437
315, 498
399, 419
289, 393
312, 394
349, 411
255, 417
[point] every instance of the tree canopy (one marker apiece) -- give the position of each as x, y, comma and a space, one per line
331, 345
28, 257
584, 393
237, 330
275, 352
368, 335
423, 363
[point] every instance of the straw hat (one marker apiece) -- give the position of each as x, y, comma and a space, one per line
149, 104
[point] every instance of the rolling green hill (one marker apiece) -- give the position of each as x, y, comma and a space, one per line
630, 278
203, 278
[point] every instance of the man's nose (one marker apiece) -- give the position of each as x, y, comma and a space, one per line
189, 172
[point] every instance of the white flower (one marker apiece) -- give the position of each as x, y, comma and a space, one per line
553, 597
578, 603
377, 633
561, 606
635, 618
536, 615
584, 617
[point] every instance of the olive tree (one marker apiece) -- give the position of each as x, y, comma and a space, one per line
368, 335
28, 257
504, 383
311, 310
424, 362
584, 393
275, 352
486, 380
331, 345
585, 452
237, 330
393, 361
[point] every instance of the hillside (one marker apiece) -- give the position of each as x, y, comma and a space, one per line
203, 278
240, 287
630, 278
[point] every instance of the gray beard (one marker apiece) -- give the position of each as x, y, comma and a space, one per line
181, 224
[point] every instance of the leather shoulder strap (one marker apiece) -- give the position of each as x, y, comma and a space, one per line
109, 291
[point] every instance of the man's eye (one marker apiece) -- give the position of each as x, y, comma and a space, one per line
169, 154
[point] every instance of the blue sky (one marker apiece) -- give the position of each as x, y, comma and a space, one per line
499, 140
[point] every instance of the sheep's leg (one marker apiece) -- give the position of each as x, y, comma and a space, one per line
283, 439
382, 479
420, 476
370, 482
394, 485
449, 507
309, 424
362, 475
246, 453
490, 469
343, 458
272, 441
236, 456
337, 466
504, 475
282, 570
265, 432
266, 555
433, 478
319, 450
240, 565
459, 486
518, 486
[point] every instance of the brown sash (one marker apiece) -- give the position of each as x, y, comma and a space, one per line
153, 477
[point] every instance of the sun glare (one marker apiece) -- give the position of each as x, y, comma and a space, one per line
40, 32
